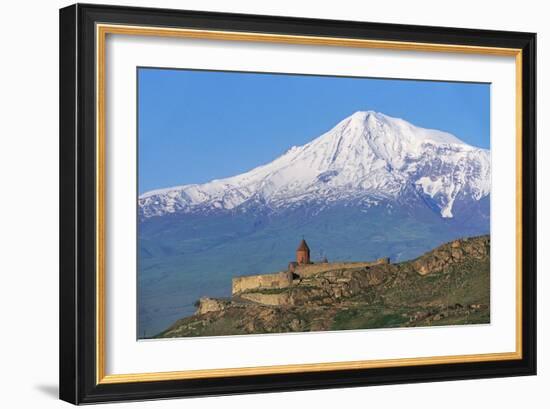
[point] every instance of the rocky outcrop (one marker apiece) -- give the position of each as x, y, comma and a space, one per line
206, 305
453, 252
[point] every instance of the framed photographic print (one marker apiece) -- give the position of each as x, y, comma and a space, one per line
258, 203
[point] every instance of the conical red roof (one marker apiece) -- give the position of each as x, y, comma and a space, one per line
303, 246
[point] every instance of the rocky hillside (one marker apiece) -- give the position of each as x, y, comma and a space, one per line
446, 286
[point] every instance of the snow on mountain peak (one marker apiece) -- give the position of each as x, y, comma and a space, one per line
366, 154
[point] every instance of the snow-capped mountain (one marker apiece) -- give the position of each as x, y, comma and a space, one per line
368, 157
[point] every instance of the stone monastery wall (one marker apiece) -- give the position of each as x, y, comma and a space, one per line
308, 270
282, 279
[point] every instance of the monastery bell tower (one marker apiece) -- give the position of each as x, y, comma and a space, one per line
302, 253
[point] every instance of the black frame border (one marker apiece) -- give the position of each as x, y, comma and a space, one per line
78, 210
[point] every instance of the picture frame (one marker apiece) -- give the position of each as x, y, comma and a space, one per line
84, 283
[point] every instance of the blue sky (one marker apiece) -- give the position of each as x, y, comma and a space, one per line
195, 126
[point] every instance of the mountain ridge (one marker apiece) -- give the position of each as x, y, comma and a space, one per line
366, 155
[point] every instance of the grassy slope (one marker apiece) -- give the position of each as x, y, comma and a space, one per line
438, 293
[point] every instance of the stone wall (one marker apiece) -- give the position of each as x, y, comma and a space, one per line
312, 269
268, 299
282, 279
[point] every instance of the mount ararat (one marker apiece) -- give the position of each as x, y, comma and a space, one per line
370, 187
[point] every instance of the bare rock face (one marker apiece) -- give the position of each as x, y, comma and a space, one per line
210, 305
375, 276
454, 252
